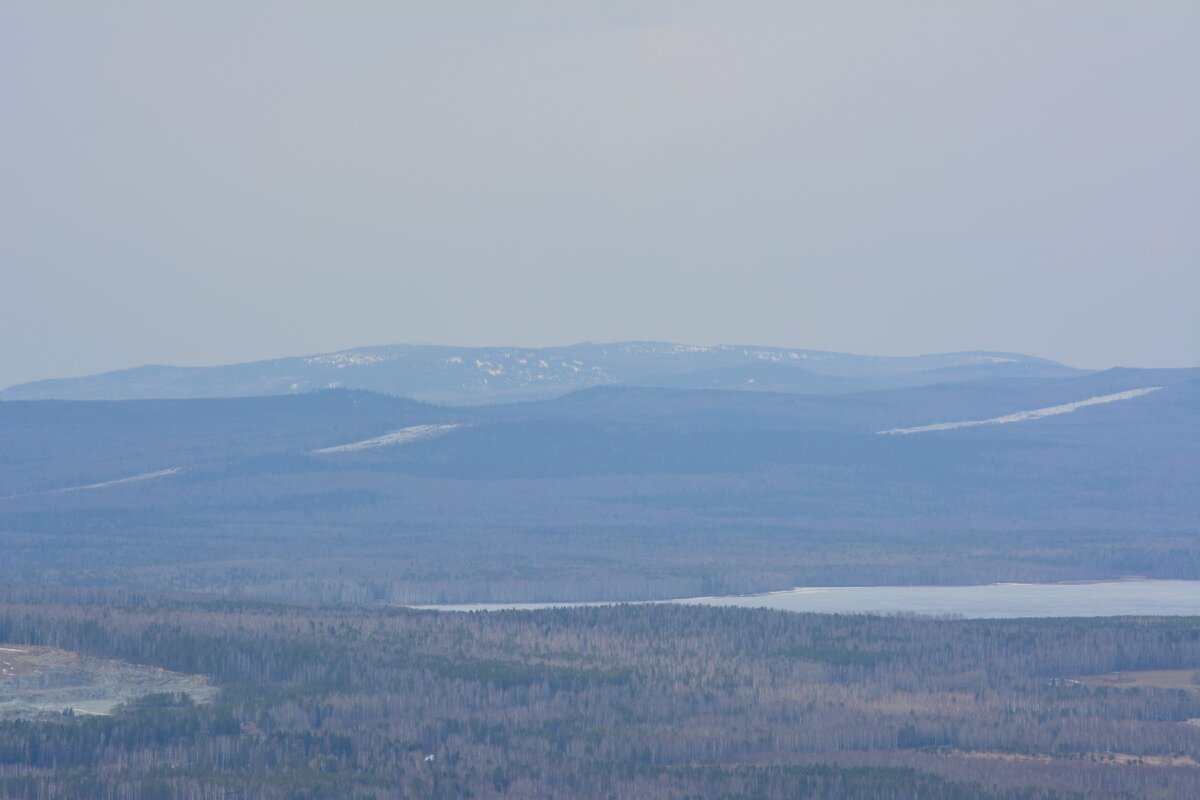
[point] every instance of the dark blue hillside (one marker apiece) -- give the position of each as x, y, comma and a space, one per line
858, 412
608, 492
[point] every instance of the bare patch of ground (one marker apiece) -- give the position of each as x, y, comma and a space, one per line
1149, 679
35, 681
1111, 758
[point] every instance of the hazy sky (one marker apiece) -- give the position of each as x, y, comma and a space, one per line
208, 182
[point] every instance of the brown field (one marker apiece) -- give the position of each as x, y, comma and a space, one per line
1112, 758
1146, 679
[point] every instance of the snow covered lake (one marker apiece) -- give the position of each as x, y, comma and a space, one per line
993, 601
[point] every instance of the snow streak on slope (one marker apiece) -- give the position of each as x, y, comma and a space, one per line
1025, 416
402, 436
145, 476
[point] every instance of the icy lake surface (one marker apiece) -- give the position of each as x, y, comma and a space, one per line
1003, 600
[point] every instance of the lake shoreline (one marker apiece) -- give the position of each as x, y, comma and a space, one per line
1125, 596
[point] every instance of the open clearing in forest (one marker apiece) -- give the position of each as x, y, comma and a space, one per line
36, 681
1111, 758
1145, 679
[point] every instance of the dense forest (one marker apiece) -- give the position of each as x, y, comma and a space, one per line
663, 701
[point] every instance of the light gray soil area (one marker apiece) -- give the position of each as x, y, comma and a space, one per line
38, 681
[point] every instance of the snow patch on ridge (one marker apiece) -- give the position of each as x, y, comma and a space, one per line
401, 436
344, 359
1025, 416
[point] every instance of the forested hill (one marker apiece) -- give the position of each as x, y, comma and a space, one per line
609, 492
472, 375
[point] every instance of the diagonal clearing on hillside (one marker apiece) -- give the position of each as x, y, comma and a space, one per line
401, 436
1025, 416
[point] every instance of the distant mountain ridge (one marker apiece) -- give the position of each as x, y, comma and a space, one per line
476, 375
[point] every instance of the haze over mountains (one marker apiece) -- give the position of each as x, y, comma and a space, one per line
464, 375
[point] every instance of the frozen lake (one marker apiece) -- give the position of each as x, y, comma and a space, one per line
1002, 600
